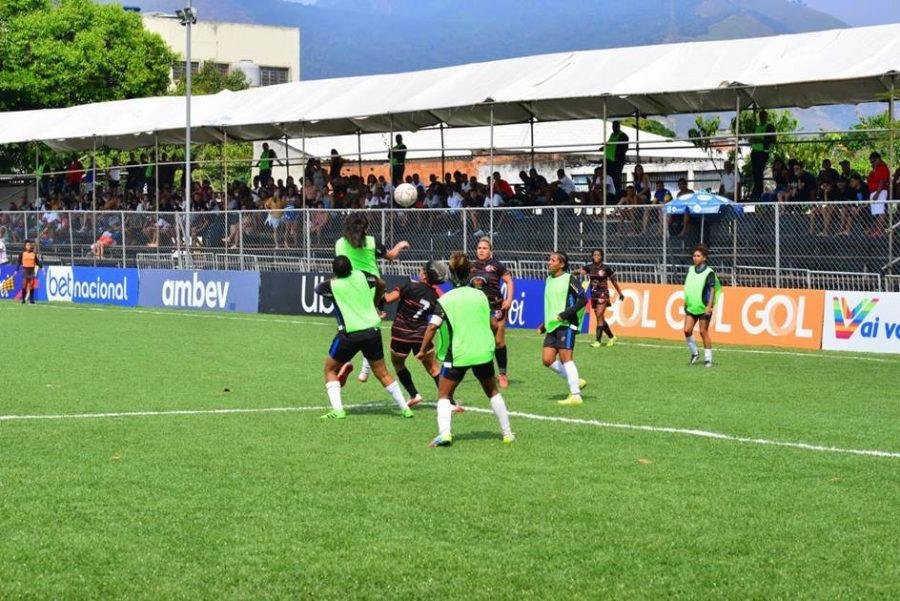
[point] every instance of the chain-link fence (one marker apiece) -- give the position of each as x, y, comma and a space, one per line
824, 245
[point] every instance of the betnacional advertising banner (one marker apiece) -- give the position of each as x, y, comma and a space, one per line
93, 285
749, 316
861, 321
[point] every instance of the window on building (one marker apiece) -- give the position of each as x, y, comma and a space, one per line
223, 68
270, 76
178, 70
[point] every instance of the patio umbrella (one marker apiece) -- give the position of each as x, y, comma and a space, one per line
703, 204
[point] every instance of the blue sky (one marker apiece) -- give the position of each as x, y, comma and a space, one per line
859, 12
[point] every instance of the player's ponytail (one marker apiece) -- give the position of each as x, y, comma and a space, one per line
459, 268
702, 249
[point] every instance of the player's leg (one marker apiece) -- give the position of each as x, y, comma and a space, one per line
500, 351
399, 352
485, 375
333, 364
707, 342
598, 322
450, 379
689, 322
566, 353
374, 353
604, 305
364, 370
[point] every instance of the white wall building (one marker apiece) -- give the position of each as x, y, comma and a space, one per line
274, 51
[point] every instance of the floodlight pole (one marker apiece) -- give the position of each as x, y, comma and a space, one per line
187, 19
225, 185
737, 153
891, 158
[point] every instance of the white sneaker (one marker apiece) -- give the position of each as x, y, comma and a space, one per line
363, 375
414, 401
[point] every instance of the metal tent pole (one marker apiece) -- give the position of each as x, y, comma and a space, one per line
188, 21
443, 156
94, 190
891, 157
531, 127
605, 199
287, 159
637, 135
155, 192
777, 245
37, 169
306, 210
737, 154
225, 188
359, 152
491, 176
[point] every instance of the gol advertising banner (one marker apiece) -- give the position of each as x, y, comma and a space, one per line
861, 321
751, 316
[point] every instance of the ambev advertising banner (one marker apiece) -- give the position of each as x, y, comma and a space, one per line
861, 321
751, 316
203, 290
94, 285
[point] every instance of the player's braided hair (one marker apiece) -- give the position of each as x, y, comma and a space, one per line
459, 268
356, 225
562, 257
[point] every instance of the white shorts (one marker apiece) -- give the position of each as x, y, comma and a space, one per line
878, 208
273, 222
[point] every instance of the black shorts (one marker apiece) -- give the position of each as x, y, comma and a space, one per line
700, 317
597, 299
497, 312
405, 347
368, 342
485, 371
562, 338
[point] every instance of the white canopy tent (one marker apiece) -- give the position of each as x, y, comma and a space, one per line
843, 66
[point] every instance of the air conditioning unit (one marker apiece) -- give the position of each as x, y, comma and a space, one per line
250, 71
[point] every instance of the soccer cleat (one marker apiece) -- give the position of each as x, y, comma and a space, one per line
414, 401
503, 381
596, 344
509, 438
335, 414
458, 408
582, 383
406, 412
345, 370
442, 441
694, 358
707, 364
572, 401
611, 341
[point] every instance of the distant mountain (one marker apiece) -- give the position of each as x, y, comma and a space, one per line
361, 37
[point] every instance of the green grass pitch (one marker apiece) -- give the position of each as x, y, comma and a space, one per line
260, 504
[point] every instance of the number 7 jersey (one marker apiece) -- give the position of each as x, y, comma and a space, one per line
414, 309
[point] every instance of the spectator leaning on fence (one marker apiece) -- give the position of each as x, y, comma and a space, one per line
760, 146
879, 181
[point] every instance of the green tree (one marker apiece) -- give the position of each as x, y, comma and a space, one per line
209, 80
651, 126
704, 128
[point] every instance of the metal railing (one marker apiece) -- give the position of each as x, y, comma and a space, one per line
781, 245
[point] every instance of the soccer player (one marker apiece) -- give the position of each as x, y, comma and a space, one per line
355, 294
487, 274
462, 322
564, 303
364, 251
600, 275
417, 302
701, 289
29, 261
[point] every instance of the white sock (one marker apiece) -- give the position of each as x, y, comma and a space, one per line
558, 368
572, 377
334, 394
691, 344
707, 354
499, 407
393, 389
365, 368
444, 416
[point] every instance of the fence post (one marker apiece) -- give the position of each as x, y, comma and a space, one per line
71, 239
555, 228
241, 237
664, 278
124, 246
491, 224
308, 242
465, 229
777, 245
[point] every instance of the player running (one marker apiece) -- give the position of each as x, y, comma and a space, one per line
487, 274
462, 323
355, 294
600, 275
416, 304
564, 303
29, 261
701, 290
364, 251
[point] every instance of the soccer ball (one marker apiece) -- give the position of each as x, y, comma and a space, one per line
406, 195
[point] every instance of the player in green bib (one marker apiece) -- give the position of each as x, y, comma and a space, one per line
364, 251
461, 320
701, 290
355, 293
564, 303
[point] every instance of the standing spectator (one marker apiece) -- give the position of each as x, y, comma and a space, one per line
730, 183
846, 172
166, 173
615, 150
74, 175
397, 156
337, 163
266, 160
879, 181
760, 144
114, 176
275, 206
133, 173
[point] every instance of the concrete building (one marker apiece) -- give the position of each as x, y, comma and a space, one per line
267, 55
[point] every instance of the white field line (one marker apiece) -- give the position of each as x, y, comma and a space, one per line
277, 319
532, 416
